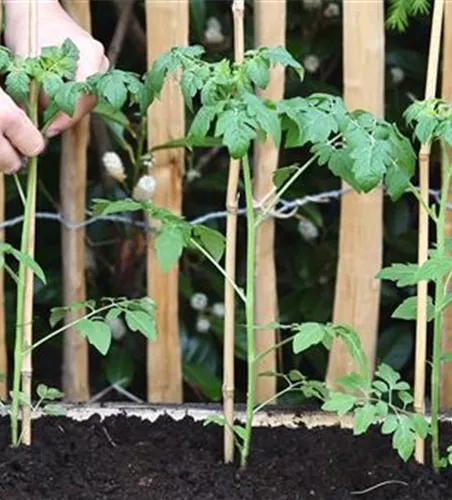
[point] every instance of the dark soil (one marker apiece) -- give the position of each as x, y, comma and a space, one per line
125, 459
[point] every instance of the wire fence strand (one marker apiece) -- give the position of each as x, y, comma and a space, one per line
284, 208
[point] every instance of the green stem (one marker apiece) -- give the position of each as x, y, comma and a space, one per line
249, 306
264, 353
421, 200
438, 323
20, 312
29, 215
219, 268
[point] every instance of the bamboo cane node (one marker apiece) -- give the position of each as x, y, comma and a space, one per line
232, 209
228, 392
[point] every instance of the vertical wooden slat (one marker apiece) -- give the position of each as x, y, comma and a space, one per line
357, 294
446, 369
167, 26
73, 201
270, 30
3, 350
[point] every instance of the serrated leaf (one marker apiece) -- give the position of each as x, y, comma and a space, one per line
51, 84
279, 55
408, 309
402, 274
404, 439
435, 267
257, 70
142, 322
17, 85
266, 117
56, 315
212, 241
296, 375
363, 419
339, 403
370, 162
405, 397
169, 246
237, 130
390, 376
67, 96
381, 409
354, 347
308, 334
97, 333
353, 382
380, 386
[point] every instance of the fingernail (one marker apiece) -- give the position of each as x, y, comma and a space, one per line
52, 132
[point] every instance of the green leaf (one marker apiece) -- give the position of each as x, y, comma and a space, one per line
380, 386
54, 410
5, 59
340, 403
283, 174
390, 376
402, 164
257, 70
279, 55
354, 346
364, 418
68, 95
18, 85
97, 333
237, 130
420, 425
29, 262
169, 246
266, 117
106, 207
404, 438
435, 267
142, 322
381, 409
370, 162
353, 382
408, 309
405, 397
203, 119
390, 424
402, 274
49, 393
308, 334
113, 313
51, 84
212, 241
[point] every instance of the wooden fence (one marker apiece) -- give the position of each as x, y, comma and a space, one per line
360, 243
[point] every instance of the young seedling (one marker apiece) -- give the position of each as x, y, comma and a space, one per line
356, 146
53, 73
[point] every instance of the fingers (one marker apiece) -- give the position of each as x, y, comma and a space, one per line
17, 133
9, 159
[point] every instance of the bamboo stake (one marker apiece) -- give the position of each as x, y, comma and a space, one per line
167, 26
73, 201
446, 368
424, 160
270, 30
3, 349
27, 326
357, 295
238, 11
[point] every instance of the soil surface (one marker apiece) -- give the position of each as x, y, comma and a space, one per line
130, 459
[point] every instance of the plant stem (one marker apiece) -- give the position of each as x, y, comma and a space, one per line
238, 290
21, 290
438, 323
250, 270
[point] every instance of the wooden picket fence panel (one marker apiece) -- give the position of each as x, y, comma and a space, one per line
360, 245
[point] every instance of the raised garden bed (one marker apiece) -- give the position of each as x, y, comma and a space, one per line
139, 452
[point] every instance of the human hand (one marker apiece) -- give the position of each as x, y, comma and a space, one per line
18, 135
54, 27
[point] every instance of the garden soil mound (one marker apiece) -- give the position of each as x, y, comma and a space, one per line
129, 459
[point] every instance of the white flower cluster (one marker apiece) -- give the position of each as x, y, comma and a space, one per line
311, 63
332, 10
199, 302
113, 165
214, 33
307, 229
145, 188
398, 75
